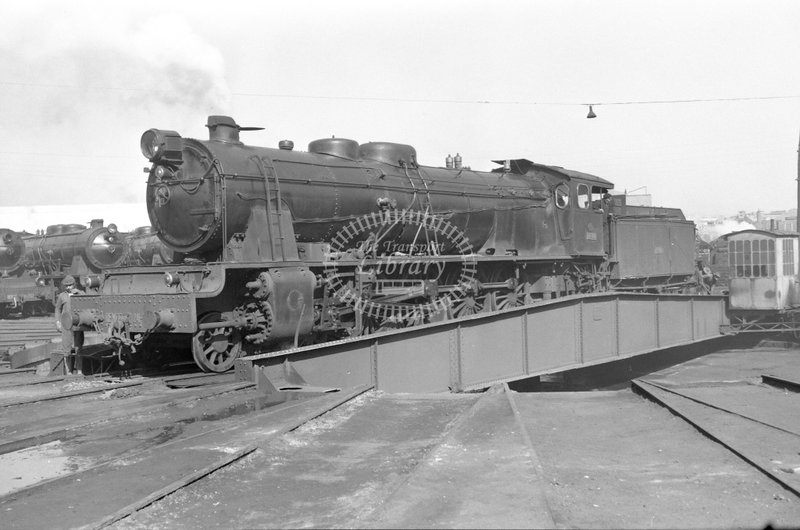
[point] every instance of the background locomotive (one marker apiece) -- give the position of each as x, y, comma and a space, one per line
20, 291
143, 247
278, 246
32, 266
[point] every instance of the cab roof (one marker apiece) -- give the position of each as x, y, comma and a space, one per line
523, 165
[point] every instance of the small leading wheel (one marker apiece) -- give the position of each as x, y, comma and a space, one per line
215, 350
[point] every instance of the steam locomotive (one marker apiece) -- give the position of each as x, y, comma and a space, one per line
143, 247
275, 247
19, 292
32, 266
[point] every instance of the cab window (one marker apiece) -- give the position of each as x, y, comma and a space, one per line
597, 197
562, 197
584, 197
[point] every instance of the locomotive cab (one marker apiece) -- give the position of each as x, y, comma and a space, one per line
589, 214
763, 270
580, 207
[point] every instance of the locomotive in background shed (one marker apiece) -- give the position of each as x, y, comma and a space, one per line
278, 247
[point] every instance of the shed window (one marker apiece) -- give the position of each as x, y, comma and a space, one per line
752, 258
788, 257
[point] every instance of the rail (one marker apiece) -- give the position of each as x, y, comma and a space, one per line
725, 425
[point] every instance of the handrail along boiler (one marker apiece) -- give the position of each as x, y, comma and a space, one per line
256, 233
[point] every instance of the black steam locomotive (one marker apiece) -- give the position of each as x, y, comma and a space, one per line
276, 247
143, 247
33, 265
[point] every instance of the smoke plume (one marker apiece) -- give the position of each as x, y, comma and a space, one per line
710, 232
82, 81
86, 61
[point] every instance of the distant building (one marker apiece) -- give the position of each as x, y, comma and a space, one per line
639, 200
709, 229
785, 220
744, 217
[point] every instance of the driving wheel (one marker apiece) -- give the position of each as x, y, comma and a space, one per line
215, 350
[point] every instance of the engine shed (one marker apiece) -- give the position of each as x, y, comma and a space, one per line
763, 267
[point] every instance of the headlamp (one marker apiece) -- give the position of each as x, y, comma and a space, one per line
162, 146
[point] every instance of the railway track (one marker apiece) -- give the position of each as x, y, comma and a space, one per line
757, 422
447, 423
172, 438
148, 476
196, 451
298, 416
17, 333
474, 432
44, 412
45, 389
494, 459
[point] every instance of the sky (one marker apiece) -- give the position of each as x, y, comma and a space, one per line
697, 103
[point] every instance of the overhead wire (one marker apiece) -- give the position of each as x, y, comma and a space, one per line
521, 103
381, 99
421, 100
